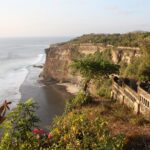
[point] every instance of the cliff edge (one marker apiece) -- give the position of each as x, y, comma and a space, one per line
60, 56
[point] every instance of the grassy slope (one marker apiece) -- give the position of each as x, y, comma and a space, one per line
121, 120
119, 117
133, 39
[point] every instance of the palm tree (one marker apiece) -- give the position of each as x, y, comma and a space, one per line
3, 108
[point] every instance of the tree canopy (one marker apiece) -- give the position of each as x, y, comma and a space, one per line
94, 67
140, 67
133, 39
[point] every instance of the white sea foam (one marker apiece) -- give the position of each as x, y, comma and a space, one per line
17, 56
40, 59
12, 75
9, 88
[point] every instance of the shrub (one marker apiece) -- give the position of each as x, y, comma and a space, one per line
104, 88
77, 130
16, 129
138, 120
79, 100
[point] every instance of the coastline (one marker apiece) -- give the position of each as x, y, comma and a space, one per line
70, 87
50, 96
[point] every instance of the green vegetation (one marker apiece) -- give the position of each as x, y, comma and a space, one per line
79, 130
139, 69
17, 128
88, 127
87, 124
133, 39
79, 100
74, 130
94, 67
104, 88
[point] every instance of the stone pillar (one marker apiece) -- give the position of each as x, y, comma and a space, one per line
136, 107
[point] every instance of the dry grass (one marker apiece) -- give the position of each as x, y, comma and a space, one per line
122, 120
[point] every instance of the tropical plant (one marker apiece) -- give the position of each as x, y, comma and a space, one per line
17, 128
93, 67
3, 108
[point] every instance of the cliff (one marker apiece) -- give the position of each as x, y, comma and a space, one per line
59, 57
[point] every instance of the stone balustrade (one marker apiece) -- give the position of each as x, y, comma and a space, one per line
138, 100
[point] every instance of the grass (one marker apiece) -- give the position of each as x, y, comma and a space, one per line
121, 119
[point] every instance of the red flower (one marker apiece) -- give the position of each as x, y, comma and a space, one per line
38, 131
50, 136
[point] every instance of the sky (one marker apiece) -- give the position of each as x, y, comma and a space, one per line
28, 18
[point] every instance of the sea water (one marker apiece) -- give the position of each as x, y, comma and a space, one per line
16, 56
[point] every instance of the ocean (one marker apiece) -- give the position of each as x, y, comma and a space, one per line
17, 55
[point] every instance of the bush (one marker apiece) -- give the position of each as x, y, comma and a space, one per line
78, 130
79, 100
138, 120
16, 129
104, 88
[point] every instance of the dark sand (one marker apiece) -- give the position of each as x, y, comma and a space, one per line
51, 98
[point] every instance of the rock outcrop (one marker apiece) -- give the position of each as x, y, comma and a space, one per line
59, 57
124, 54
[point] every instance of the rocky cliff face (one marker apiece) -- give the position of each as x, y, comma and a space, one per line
59, 57
124, 54
57, 61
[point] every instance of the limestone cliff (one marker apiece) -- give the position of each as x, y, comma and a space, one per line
57, 61
59, 57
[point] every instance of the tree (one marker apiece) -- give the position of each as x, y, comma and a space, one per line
3, 109
139, 69
144, 67
93, 67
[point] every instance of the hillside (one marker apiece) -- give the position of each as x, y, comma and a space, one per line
132, 39
131, 52
59, 56
111, 71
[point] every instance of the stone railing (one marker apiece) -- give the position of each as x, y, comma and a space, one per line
138, 100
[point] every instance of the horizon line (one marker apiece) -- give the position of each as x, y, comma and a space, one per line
70, 36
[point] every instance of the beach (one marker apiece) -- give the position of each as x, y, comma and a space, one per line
19, 79
50, 96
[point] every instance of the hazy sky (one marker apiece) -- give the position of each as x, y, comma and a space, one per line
72, 17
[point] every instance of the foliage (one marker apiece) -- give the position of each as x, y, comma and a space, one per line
74, 130
79, 100
144, 67
133, 39
94, 66
87, 128
17, 127
106, 55
131, 70
140, 67
3, 108
104, 88
78, 130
